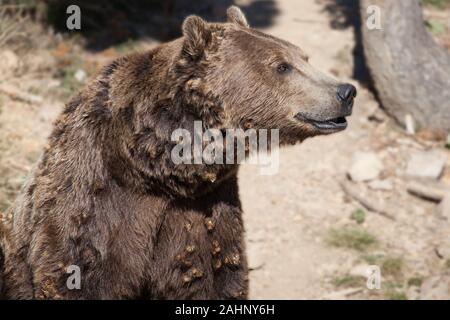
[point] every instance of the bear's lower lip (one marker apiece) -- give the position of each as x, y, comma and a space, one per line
331, 125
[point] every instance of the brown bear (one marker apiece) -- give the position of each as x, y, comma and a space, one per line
106, 196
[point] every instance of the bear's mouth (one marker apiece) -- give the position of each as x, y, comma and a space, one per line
328, 126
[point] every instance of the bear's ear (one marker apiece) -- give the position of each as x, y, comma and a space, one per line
197, 35
235, 15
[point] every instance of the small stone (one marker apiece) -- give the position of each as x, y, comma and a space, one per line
80, 75
365, 166
426, 164
384, 185
435, 288
187, 279
190, 248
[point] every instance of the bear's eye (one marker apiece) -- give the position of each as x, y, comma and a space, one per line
284, 67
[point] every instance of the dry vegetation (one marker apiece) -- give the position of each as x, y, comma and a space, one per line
437, 20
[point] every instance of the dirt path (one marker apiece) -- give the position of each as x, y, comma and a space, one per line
279, 208
289, 215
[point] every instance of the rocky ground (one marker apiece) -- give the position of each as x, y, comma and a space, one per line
371, 195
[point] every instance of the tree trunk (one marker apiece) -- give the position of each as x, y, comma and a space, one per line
411, 72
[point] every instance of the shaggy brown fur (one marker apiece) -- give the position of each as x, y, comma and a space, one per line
106, 196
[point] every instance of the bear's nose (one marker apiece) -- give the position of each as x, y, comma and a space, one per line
346, 93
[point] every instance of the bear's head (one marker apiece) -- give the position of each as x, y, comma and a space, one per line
263, 82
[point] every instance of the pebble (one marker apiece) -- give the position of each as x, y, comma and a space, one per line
426, 164
366, 166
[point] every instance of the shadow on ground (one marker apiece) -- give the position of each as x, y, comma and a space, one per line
345, 14
111, 22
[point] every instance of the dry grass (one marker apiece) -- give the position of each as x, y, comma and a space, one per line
347, 281
351, 237
392, 266
441, 4
12, 22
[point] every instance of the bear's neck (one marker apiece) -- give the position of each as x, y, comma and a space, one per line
152, 95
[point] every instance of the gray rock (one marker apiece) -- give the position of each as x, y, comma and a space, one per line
426, 164
365, 166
